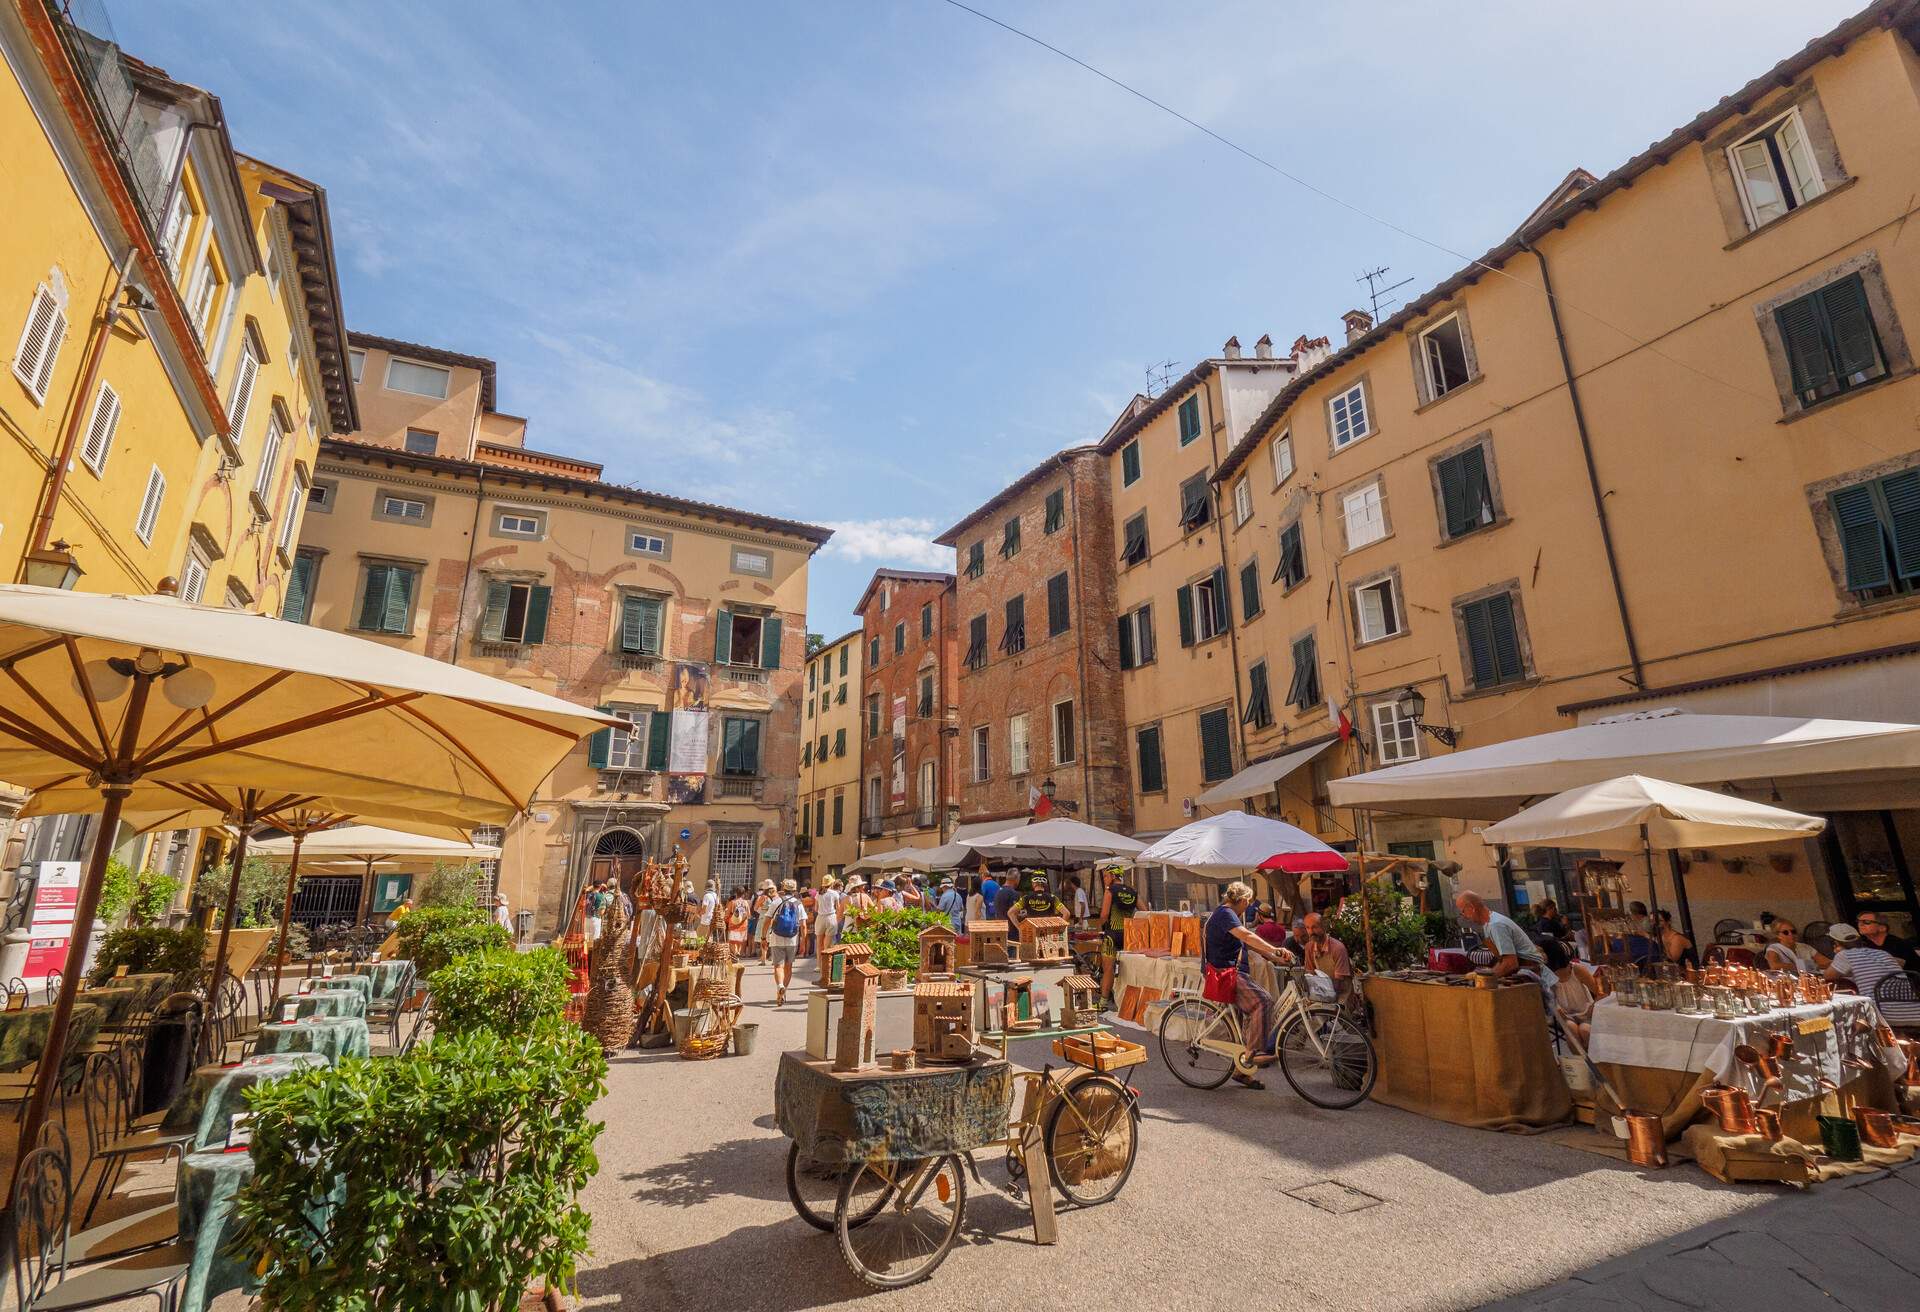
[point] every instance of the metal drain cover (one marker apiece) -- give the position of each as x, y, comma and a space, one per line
1333, 1196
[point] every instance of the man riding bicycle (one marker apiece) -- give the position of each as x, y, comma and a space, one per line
1228, 941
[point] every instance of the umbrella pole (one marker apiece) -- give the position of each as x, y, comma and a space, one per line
1653, 894
226, 919
1366, 916
286, 909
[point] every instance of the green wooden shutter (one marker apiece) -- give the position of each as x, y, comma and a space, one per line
1216, 745
1126, 642
1130, 464
723, 637
493, 620
299, 583
1189, 419
1479, 625
729, 745
1806, 347
1506, 638
539, 602
631, 623
1249, 590
1151, 778
598, 744
1222, 612
1183, 602
373, 599
659, 736
1856, 350
1861, 540
1902, 493
1453, 493
806, 757
750, 747
1059, 612
399, 607
770, 643
839, 742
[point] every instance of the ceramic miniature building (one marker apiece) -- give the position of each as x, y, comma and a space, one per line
1080, 1001
1043, 938
853, 1042
1017, 1006
839, 958
987, 942
938, 951
943, 1021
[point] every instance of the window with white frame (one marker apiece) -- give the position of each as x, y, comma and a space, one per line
747, 561
203, 295
1443, 355
1396, 737
240, 400
1774, 170
1365, 515
1282, 458
193, 574
982, 759
1242, 502
734, 854
418, 379
641, 543
295, 499
420, 442
1347, 416
924, 796
269, 457
1063, 738
518, 524
1210, 606
40, 339
101, 425
627, 748
320, 496
1376, 610
179, 223
150, 505
1019, 745
357, 364
398, 507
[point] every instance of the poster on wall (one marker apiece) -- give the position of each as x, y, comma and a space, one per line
687, 746
687, 790
687, 687
899, 750
389, 891
51, 929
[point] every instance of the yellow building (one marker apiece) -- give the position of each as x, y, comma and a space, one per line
828, 839
436, 529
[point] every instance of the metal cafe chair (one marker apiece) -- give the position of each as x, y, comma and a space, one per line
42, 1225
120, 1237
111, 1141
1729, 932
54, 979
1900, 989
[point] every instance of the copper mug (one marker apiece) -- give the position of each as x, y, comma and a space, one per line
1731, 1107
1762, 1065
1876, 1128
1766, 1122
1780, 1046
1646, 1139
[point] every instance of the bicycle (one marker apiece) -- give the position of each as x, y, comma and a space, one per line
1325, 1054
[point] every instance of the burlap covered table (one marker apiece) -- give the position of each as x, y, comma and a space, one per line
332, 1037
215, 1092
320, 1002
23, 1034
842, 1117
1471, 1056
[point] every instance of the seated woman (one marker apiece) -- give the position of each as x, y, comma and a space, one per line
1573, 1003
1675, 946
1786, 951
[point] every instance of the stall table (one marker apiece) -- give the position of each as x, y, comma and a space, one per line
209, 1179
385, 977
1472, 1056
332, 1037
361, 984
117, 1002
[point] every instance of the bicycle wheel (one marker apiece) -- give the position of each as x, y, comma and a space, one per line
1327, 1058
814, 1189
909, 1235
1091, 1140
1180, 1030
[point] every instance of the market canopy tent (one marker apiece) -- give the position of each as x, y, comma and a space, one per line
1810, 761
1059, 839
1261, 777
956, 854
1235, 840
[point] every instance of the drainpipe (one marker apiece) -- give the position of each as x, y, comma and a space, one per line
1639, 679
466, 575
940, 771
1220, 526
1079, 648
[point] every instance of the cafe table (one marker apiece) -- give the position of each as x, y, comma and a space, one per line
117, 1002
385, 977
360, 984
209, 1180
23, 1034
333, 1037
320, 1002
216, 1091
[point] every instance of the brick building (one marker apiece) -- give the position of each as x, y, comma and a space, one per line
1039, 674
908, 752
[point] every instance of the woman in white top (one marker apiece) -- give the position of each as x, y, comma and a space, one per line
826, 912
1787, 952
976, 904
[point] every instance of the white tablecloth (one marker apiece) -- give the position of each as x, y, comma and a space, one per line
1630, 1036
1138, 970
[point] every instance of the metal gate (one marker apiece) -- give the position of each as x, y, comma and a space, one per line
326, 900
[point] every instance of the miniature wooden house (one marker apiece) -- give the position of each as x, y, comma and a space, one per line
943, 1021
1043, 938
987, 942
939, 951
853, 1042
839, 958
1016, 1008
1080, 1001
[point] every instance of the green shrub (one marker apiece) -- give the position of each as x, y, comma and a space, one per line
448, 1181
894, 937
153, 896
1399, 932
445, 946
116, 891
152, 948
448, 885
511, 993
418, 923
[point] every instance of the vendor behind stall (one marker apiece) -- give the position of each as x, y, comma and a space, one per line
1119, 903
1035, 901
1513, 952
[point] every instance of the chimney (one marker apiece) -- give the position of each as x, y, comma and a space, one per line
1357, 322
1232, 349
1263, 349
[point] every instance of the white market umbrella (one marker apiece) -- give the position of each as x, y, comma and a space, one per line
904, 858
1061, 839
103, 693
1236, 840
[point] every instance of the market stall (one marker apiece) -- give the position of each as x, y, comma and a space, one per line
1472, 1053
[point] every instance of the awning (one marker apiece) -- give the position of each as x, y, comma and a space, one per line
1261, 776
1812, 764
1630, 813
982, 828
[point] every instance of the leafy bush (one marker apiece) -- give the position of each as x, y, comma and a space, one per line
299, 943
417, 924
116, 891
448, 1181
511, 993
448, 886
894, 937
1399, 932
152, 948
153, 896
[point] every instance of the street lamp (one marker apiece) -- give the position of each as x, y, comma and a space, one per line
1412, 705
1049, 788
53, 567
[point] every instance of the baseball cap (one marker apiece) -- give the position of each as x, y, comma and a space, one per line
1843, 933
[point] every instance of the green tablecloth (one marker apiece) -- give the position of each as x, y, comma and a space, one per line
320, 1002
208, 1182
23, 1034
360, 984
386, 977
215, 1092
331, 1037
118, 1001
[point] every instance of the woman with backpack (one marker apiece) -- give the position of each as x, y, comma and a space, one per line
783, 937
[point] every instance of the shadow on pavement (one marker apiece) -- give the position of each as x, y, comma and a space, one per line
736, 1168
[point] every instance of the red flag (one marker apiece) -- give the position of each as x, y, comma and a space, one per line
1038, 802
1338, 718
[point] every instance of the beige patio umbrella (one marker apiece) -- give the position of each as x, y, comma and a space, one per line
103, 693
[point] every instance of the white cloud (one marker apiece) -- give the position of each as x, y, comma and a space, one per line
903, 543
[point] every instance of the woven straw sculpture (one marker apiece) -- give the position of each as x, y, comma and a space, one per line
609, 1012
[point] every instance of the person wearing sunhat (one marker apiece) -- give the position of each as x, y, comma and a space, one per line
856, 904
501, 915
826, 917
1863, 965
949, 902
761, 917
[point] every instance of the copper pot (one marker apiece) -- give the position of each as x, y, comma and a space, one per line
1912, 1048
1766, 1121
1884, 1032
1732, 1107
1646, 1139
1876, 1128
1780, 1046
1763, 1067
1906, 1125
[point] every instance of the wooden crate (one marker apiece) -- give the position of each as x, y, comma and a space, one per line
1100, 1052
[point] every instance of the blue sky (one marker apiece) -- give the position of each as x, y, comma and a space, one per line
862, 264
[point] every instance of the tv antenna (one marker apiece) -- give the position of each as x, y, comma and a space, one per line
1159, 376
1378, 296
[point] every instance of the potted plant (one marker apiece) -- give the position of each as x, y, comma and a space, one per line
1399, 932
148, 949
500, 989
894, 937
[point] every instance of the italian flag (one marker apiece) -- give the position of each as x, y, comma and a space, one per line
1338, 719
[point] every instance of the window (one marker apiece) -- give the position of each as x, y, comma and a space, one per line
40, 339
803, 750
418, 379
1282, 458
1056, 511
1196, 506
386, 599
1130, 464
1019, 746
874, 809
1010, 538
1466, 492
1136, 638
320, 496
1249, 590
843, 672
193, 574
204, 294
758, 563
1365, 515
1242, 502
1443, 357
1830, 340
1878, 525
1216, 744
405, 508
179, 222
873, 651
1259, 712
515, 612
839, 748
1396, 737
1202, 607
297, 606
627, 748
100, 429
517, 524
739, 746
240, 400
749, 641
1491, 633
1190, 419
1293, 557
976, 560
982, 761
839, 809
813, 676
976, 657
422, 443
820, 752
899, 638
1304, 690
924, 793
873, 715
734, 853
820, 815
1133, 543
150, 505
1774, 170
646, 544
269, 457
295, 500
1347, 416
1063, 740
1013, 636
357, 362
1059, 612
1376, 613
641, 624
1152, 775
924, 707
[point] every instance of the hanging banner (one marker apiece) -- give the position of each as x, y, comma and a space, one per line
899, 750
55, 899
687, 746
